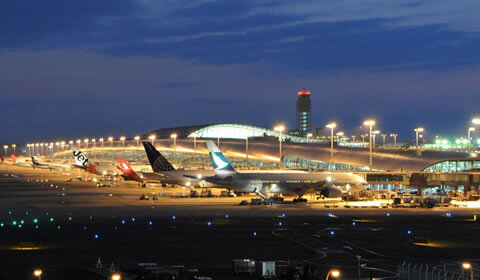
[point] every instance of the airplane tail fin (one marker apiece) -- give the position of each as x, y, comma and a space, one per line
34, 161
157, 161
127, 170
81, 159
220, 164
2, 158
14, 158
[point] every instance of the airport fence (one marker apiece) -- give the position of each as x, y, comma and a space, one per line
445, 271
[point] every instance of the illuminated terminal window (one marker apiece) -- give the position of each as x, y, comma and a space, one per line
447, 166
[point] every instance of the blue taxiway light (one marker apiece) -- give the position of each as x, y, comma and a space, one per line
330, 215
226, 216
133, 219
448, 214
409, 232
150, 222
388, 214
254, 233
353, 223
280, 223
173, 217
283, 215
332, 233
209, 223
96, 236
123, 222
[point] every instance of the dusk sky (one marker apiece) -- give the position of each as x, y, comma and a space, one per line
71, 69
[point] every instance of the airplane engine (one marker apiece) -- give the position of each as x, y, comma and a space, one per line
331, 192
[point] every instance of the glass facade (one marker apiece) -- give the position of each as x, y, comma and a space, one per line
459, 165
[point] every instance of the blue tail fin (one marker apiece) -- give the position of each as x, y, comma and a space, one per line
220, 164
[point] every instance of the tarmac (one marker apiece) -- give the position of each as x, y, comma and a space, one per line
51, 219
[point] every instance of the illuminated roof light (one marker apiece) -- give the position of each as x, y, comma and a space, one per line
303, 92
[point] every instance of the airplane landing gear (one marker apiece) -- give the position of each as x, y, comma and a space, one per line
299, 199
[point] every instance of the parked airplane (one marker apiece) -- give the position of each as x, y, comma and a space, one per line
82, 162
129, 174
36, 164
19, 163
164, 172
327, 184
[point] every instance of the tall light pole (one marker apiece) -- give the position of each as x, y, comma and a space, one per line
93, 142
14, 146
363, 137
111, 141
174, 136
384, 135
101, 141
370, 124
6, 149
280, 129
137, 138
353, 138
417, 130
152, 137
394, 135
86, 142
375, 132
123, 141
331, 125
470, 129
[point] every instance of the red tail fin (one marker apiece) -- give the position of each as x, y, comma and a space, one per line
2, 158
14, 158
127, 170
91, 168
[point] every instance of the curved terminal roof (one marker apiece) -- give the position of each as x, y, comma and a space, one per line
242, 131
